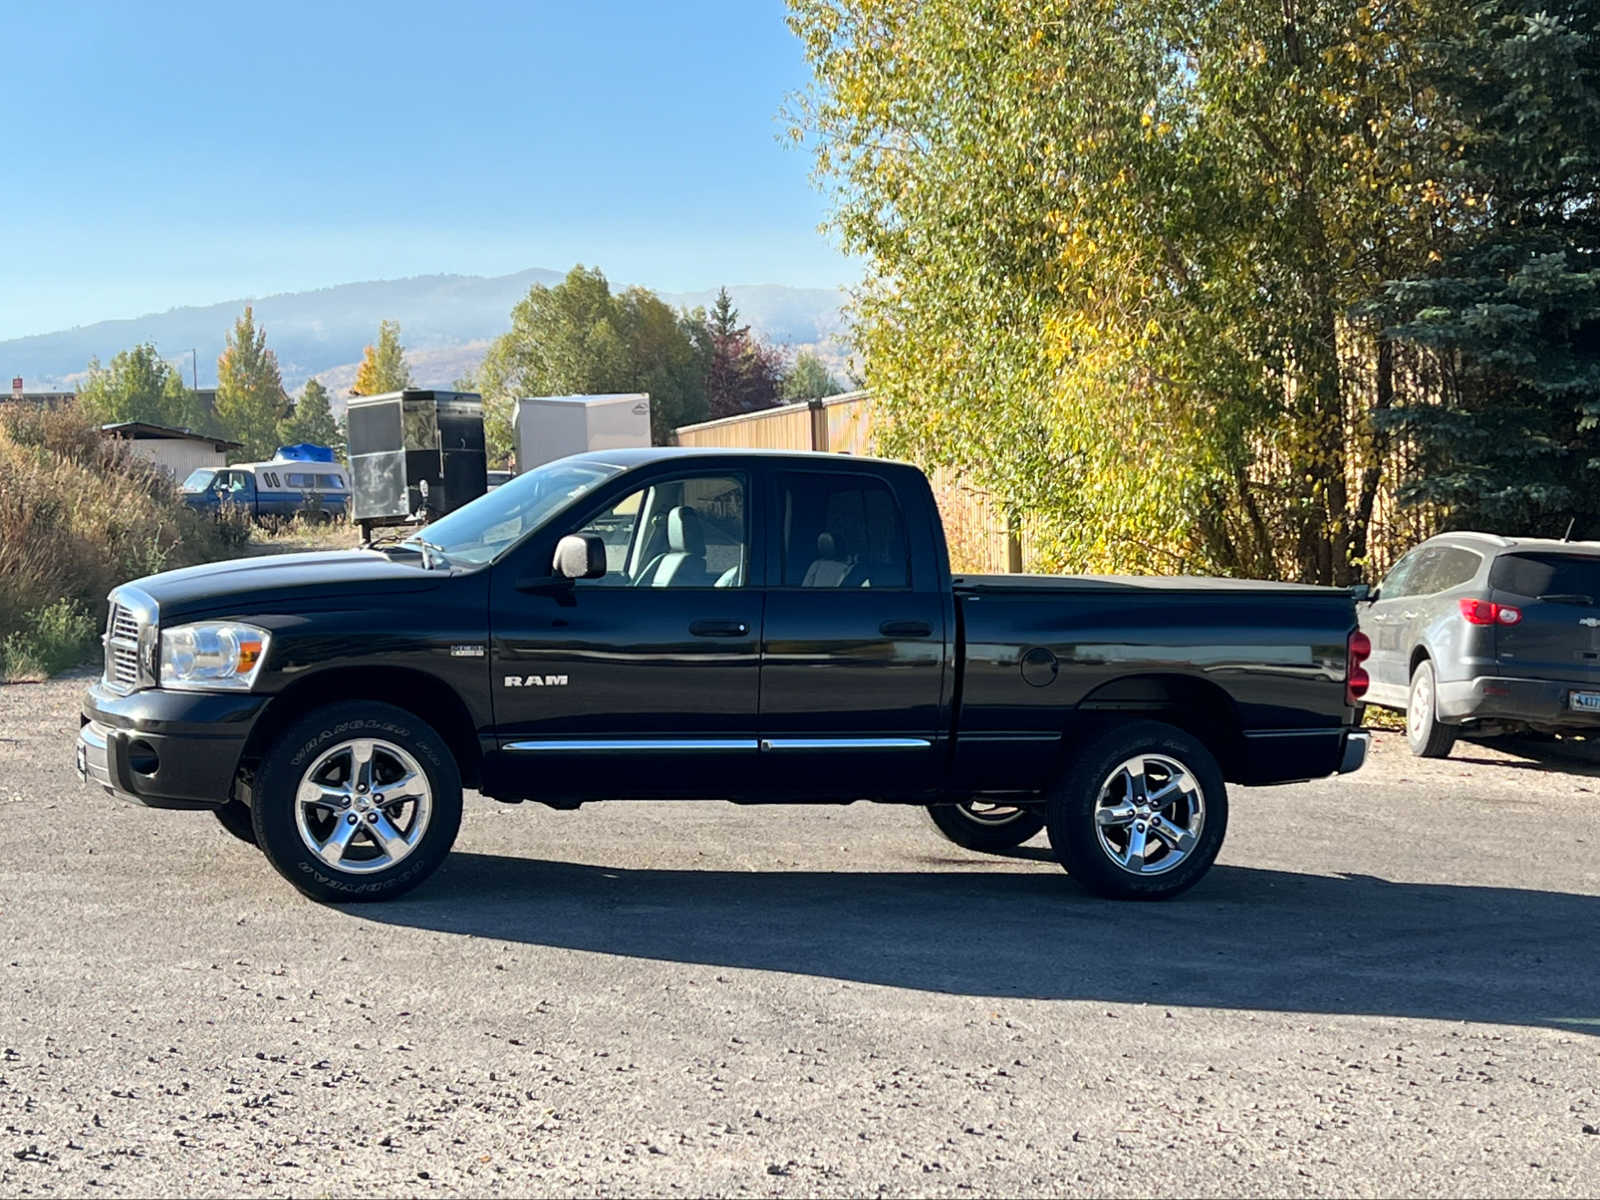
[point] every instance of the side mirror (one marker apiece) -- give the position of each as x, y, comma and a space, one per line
579, 556
1362, 593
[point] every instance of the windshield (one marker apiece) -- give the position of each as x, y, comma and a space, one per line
199, 479
477, 533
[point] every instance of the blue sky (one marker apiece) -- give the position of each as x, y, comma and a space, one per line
159, 155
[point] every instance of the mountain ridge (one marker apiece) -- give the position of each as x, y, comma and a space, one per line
322, 330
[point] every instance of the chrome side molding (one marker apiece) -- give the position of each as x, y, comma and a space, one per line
670, 745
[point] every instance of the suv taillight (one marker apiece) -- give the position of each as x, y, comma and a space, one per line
1486, 612
1357, 648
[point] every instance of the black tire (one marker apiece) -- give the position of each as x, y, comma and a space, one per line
1072, 804
1427, 736
234, 816
299, 748
966, 826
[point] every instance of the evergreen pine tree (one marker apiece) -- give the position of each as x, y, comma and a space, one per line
312, 420
1512, 311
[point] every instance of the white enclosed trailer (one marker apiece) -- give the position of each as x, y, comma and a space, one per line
546, 428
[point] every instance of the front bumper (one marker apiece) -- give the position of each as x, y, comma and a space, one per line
1540, 702
165, 749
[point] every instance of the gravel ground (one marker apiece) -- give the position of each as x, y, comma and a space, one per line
1386, 986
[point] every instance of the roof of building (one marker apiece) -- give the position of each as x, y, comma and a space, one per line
140, 431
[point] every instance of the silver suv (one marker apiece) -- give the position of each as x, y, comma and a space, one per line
1473, 633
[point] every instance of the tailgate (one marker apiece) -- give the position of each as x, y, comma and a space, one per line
1558, 595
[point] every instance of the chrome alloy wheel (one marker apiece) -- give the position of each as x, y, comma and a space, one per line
1149, 814
363, 806
981, 812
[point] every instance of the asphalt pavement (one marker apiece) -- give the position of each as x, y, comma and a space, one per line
1386, 986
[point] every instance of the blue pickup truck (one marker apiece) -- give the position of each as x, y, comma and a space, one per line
737, 625
270, 489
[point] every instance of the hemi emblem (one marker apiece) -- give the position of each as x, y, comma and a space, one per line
518, 681
466, 651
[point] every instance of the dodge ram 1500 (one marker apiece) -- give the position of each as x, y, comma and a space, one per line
751, 626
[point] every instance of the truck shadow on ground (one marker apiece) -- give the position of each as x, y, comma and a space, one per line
1244, 938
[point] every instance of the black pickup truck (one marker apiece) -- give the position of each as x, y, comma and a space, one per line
739, 625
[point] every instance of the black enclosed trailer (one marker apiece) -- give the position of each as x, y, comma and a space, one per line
414, 456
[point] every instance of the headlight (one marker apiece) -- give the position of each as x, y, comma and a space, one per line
212, 655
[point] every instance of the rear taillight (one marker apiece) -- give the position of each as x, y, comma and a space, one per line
1486, 612
1357, 649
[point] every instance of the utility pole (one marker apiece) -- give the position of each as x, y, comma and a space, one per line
194, 369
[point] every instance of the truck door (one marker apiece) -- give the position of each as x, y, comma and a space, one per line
239, 490
852, 662
641, 682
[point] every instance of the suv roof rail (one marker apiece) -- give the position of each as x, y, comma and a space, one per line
1493, 538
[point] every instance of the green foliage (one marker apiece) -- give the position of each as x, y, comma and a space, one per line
1112, 251
1512, 307
383, 366
250, 397
312, 420
579, 337
743, 373
809, 379
52, 638
140, 386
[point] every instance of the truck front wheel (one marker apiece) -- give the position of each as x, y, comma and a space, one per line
978, 825
357, 801
1140, 813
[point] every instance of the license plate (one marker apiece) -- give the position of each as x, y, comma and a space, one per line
1585, 701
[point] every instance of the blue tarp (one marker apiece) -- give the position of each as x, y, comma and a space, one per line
305, 452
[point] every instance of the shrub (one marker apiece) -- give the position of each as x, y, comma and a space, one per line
79, 514
56, 637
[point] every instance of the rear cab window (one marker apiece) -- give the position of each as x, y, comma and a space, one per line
843, 530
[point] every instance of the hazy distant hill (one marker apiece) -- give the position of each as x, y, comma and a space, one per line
446, 322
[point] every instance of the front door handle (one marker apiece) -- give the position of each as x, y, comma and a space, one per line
905, 629
718, 628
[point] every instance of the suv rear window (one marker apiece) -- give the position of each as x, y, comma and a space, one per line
1547, 575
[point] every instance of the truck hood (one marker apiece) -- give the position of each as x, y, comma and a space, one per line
285, 583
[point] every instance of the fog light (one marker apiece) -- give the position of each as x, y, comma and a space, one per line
142, 757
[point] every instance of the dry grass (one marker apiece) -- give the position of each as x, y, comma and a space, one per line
79, 515
302, 534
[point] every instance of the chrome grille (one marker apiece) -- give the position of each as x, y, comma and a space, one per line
124, 666
124, 624
123, 632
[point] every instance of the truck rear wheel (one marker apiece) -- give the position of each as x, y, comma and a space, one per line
1140, 813
978, 825
357, 801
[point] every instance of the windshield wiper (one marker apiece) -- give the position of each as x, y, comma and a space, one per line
427, 546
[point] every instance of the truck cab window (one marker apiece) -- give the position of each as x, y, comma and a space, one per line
843, 531
690, 532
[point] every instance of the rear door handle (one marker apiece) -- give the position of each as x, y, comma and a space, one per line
905, 629
718, 628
